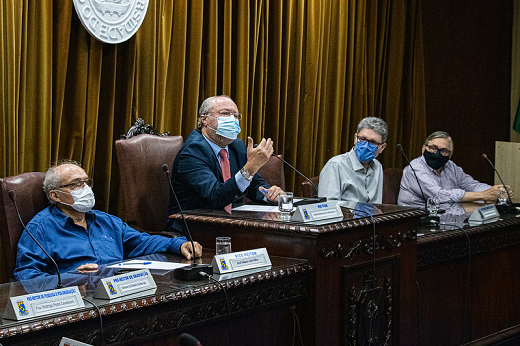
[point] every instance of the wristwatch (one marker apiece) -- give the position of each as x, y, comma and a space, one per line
247, 176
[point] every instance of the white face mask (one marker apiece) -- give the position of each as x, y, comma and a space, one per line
83, 199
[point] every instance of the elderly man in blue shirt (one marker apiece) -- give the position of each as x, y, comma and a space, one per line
79, 238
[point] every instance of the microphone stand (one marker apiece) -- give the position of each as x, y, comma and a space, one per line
307, 200
194, 270
510, 207
12, 196
428, 220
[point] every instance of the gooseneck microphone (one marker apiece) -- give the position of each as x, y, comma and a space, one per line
510, 207
425, 220
12, 196
192, 271
314, 199
400, 147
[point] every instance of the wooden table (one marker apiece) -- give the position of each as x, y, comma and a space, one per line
469, 290
347, 303
262, 308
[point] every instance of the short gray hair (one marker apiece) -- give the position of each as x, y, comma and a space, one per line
439, 134
375, 124
52, 179
206, 107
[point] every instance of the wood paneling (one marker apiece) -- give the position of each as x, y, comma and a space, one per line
467, 49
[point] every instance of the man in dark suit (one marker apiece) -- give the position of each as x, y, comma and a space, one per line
214, 169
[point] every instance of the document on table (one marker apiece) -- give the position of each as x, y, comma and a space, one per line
262, 208
143, 264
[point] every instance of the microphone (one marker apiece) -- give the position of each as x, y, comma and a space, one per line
311, 200
188, 340
192, 271
12, 196
425, 220
510, 207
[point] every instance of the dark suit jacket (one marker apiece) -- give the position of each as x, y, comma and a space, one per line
197, 178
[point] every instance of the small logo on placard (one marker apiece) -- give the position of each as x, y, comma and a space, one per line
22, 311
111, 21
223, 264
306, 214
111, 288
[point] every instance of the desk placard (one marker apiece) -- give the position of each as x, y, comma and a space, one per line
125, 284
71, 342
484, 214
317, 211
243, 260
43, 303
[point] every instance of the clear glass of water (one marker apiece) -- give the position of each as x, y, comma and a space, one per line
502, 196
223, 245
433, 206
285, 205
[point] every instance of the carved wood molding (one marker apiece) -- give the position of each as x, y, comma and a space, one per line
140, 128
171, 320
482, 239
298, 228
366, 245
369, 313
245, 301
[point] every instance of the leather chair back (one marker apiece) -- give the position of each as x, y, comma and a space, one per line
273, 173
308, 190
30, 200
391, 184
145, 186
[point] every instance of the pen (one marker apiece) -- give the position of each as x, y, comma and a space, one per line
133, 264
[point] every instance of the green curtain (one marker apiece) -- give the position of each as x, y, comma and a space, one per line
303, 72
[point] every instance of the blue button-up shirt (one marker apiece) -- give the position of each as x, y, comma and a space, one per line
107, 239
449, 186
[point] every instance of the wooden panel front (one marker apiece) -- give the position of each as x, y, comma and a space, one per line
466, 297
334, 250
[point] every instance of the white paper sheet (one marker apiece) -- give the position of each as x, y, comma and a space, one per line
262, 208
143, 264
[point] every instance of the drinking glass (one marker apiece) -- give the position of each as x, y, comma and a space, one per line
285, 205
223, 245
433, 206
502, 196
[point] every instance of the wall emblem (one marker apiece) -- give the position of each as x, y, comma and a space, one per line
111, 21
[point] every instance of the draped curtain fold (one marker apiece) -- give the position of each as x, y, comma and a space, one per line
303, 72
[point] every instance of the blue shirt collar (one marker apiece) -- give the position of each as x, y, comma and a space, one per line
62, 218
216, 149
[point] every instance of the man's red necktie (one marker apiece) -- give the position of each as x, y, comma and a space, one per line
226, 171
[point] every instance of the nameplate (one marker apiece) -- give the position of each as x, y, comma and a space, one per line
317, 212
125, 284
484, 214
71, 342
237, 274
43, 303
243, 260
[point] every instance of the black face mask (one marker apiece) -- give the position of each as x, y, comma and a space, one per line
436, 160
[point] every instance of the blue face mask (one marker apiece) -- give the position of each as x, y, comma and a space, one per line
227, 127
365, 151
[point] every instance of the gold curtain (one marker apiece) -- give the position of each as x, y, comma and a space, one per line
303, 72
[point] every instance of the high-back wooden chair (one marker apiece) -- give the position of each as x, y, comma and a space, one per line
30, 198
144, 183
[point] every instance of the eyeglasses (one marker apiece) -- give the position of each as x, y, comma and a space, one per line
228, 113
434, 149
76, 184
363, 139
